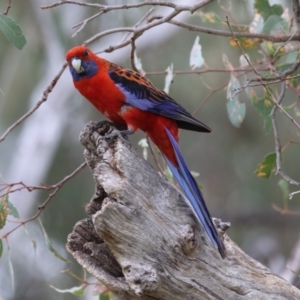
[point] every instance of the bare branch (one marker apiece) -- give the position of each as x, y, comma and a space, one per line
271, 38
139, 23
8, 7
84, 22
154, 156
277, 139
259, 78
56, 188
47, 91
177, 10
107, 8
296, 9
208, 70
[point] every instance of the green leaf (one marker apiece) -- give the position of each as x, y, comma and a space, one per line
143, 143
169, 78
3, 210
256, 26
1, 247
169, 175
297, 111
267, 166
275, 24
195, 174
138, 64
76, 290
13, 211
266, 10
104, 296
11, 269
244, 79
210, 17
228, 65
286, 61
196, 58
284, 186
12, 31
236, 110
33, 242
264, 107
49, 244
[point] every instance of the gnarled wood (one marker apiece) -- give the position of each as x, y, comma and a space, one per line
143, 242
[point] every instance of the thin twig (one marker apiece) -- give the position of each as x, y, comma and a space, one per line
84, 22
259, 78
8, 8
9, 186
241, 48
207, 70
296, 10
271, 38
43, 205
285, 211
273, 112
133, 48
138, 31
277, 139
281, 75
154, 155
285, 43
126, 36
46, 93
107, 8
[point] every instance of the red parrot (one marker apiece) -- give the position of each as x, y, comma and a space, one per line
129, 100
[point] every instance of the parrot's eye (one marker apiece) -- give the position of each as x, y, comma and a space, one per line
86, 53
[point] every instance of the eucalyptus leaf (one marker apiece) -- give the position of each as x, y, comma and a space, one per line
12, 31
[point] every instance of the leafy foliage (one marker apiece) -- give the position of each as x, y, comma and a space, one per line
266, 10
76, 290
49, 244
12, 31
267, 166
3, 210
196, 58
236, 110
264, 107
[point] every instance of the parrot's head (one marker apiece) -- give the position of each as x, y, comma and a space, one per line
82, 62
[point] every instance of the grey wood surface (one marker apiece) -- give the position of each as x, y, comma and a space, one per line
142, 241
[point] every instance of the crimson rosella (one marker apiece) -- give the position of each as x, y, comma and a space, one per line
129, 100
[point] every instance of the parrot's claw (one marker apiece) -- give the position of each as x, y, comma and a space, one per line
121, 134
103, 127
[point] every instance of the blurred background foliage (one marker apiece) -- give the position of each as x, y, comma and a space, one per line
45, 147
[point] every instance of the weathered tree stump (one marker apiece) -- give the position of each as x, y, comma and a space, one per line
143, 242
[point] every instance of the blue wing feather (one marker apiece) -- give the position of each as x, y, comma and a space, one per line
140, 93
196, 200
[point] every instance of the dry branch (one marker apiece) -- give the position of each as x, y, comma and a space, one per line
143, 242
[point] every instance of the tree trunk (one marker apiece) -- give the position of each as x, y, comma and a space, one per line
143, 242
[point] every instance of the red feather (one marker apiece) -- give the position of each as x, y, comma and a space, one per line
126, 98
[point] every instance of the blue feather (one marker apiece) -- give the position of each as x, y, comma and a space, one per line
194, 195
140, 93
90, 68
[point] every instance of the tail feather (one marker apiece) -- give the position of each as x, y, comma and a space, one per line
194, 195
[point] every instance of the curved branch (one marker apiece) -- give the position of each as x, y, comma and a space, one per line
46, 92
271, 38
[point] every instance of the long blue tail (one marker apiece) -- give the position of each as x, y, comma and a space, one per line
191, 190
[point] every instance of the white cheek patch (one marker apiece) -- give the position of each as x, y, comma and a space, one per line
76, 63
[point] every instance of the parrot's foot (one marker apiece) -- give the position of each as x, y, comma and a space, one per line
121, 134
107, 132
100, 124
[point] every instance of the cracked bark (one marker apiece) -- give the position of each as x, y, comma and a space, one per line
142, 241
